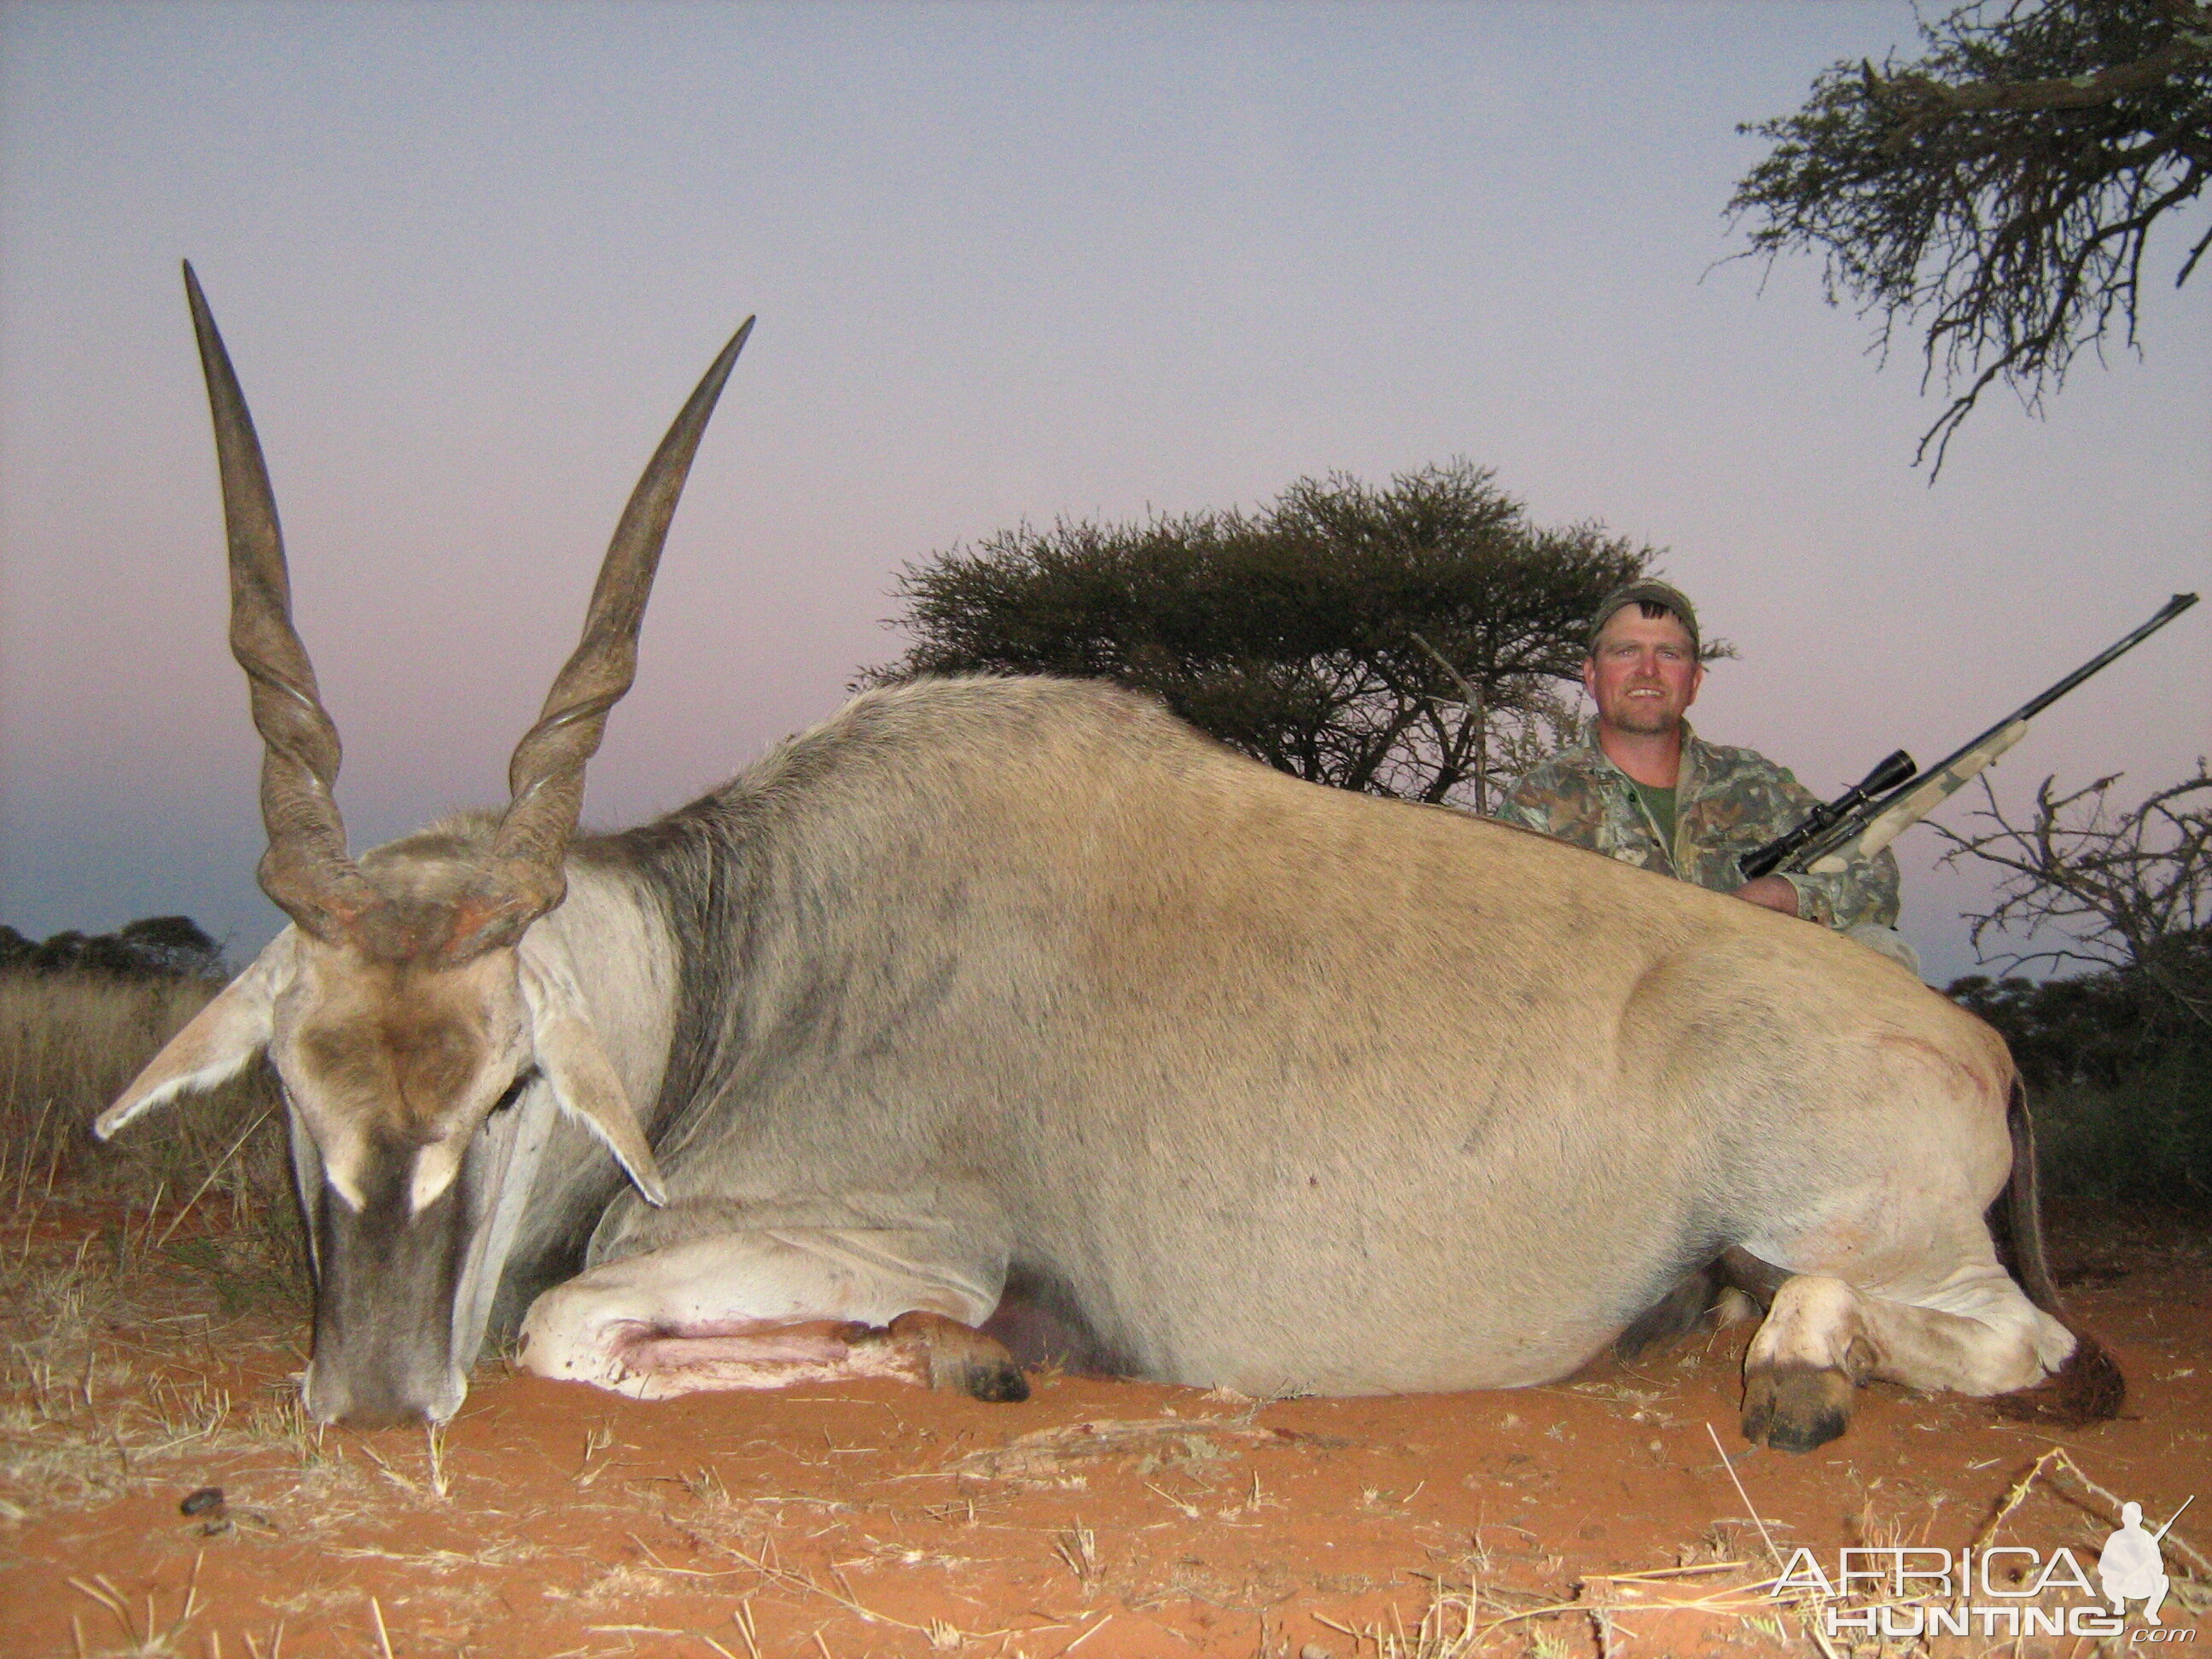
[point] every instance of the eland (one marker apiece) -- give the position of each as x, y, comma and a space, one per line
993, 1020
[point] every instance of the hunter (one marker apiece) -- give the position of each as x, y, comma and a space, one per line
1642, 788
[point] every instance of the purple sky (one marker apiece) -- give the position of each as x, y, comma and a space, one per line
1017, 261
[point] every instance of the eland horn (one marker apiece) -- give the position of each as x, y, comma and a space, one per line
307, 869
522, 878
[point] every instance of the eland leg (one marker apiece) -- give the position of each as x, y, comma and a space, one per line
770, 1309
1976, 1333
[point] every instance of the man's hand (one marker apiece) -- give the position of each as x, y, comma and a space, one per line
1773, 891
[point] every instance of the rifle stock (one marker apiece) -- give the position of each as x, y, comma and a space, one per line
1891, 771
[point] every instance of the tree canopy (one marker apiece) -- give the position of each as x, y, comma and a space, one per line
1307, 633
1999, 193
152, 948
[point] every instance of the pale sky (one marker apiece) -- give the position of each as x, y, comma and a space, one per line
1009, 262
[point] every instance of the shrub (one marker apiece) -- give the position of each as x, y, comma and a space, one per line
2119, 1080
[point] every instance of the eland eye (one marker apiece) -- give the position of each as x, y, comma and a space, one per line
514, 1091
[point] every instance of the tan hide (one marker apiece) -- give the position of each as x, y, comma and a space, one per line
583, 1078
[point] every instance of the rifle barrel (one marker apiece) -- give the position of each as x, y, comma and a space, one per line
2035, 705
2015, 724
2173, 608
2171, 1519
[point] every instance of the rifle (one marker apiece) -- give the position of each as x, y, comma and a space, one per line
1862, 821
1896, 768
2171, 1519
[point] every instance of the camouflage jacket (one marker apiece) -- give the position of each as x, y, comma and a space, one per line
1728, 802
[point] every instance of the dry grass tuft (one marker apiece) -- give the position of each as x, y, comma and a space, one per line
85, 1416
203, 1183
148, 1638
1078, 1547
200, 1192
68, 1045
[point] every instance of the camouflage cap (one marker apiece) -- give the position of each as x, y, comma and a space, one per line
1646, 591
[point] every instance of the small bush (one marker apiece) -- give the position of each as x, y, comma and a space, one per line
2147, 1136
2119, 1077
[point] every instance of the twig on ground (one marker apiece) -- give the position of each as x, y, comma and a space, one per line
742, 1616
2064, 1476
1773, 1553
220, 1163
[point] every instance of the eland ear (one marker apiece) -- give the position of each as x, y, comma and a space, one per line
583, 1079
217, 1043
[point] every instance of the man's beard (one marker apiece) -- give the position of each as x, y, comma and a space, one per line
1645, 722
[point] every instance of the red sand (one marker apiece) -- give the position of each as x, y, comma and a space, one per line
1101, 1518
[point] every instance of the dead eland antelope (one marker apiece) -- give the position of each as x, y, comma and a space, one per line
1016, 1009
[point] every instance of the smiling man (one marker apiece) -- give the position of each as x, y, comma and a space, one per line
1642, 788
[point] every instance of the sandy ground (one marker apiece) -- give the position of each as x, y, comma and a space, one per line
1100, 1518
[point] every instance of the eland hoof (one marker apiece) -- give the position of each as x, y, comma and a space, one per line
957, 1356
1795, 1407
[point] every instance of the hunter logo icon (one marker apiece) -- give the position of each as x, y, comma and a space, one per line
2130, 1566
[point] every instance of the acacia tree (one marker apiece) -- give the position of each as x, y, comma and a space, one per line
1999, 193
1307, 633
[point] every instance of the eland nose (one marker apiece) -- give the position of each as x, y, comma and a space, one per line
380, 1402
